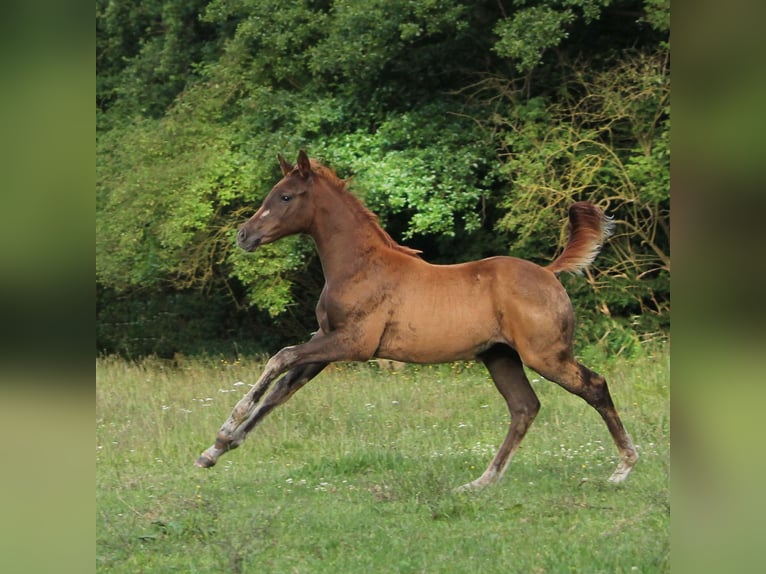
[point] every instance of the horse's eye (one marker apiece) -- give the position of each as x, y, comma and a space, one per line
286, 198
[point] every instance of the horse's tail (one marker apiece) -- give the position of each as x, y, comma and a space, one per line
589, 227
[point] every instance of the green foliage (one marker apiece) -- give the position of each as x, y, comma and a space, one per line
429, 107
269, 40
535, 27
156, 213
265, 273
385, 37
532, 30
147, 52
418, 163
658, 14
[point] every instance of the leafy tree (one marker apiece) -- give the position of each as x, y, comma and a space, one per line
467, 126
147, 51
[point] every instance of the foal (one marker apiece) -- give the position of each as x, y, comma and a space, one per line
380, 299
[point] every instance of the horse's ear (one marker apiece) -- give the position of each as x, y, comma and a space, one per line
286, 167
304, 166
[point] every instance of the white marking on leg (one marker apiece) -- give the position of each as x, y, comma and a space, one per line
629, 459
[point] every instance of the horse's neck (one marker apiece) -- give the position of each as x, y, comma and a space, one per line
345, 239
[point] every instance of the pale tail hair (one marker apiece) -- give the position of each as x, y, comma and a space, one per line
589, 227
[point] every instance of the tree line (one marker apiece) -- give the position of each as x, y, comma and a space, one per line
468, 127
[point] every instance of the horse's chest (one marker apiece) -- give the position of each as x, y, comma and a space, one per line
350, 306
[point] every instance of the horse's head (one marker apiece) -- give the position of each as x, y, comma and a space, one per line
287, 209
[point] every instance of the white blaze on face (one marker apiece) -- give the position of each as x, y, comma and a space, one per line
265, 214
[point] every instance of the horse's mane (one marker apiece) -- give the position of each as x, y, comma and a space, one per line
341, 185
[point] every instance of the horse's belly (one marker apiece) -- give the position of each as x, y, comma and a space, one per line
435, 340
426, 356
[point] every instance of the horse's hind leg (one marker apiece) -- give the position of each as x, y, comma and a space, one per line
507, 372
592, 387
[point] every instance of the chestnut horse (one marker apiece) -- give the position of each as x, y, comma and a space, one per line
380, 299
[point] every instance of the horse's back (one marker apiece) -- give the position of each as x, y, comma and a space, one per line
507, 278
447, 312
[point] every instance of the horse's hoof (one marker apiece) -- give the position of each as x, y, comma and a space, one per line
474, 486
204, 461
621, 472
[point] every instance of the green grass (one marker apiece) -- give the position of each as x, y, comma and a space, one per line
356, 473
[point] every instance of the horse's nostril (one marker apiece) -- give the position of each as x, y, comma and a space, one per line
241, 234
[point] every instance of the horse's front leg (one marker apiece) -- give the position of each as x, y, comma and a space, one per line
303, 363
253, 407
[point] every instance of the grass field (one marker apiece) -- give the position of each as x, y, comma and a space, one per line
356, 473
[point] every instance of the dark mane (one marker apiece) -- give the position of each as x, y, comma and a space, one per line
337, 183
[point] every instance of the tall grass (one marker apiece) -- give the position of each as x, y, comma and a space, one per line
356, 473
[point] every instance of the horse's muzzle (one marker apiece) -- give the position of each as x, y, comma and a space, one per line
247, 241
